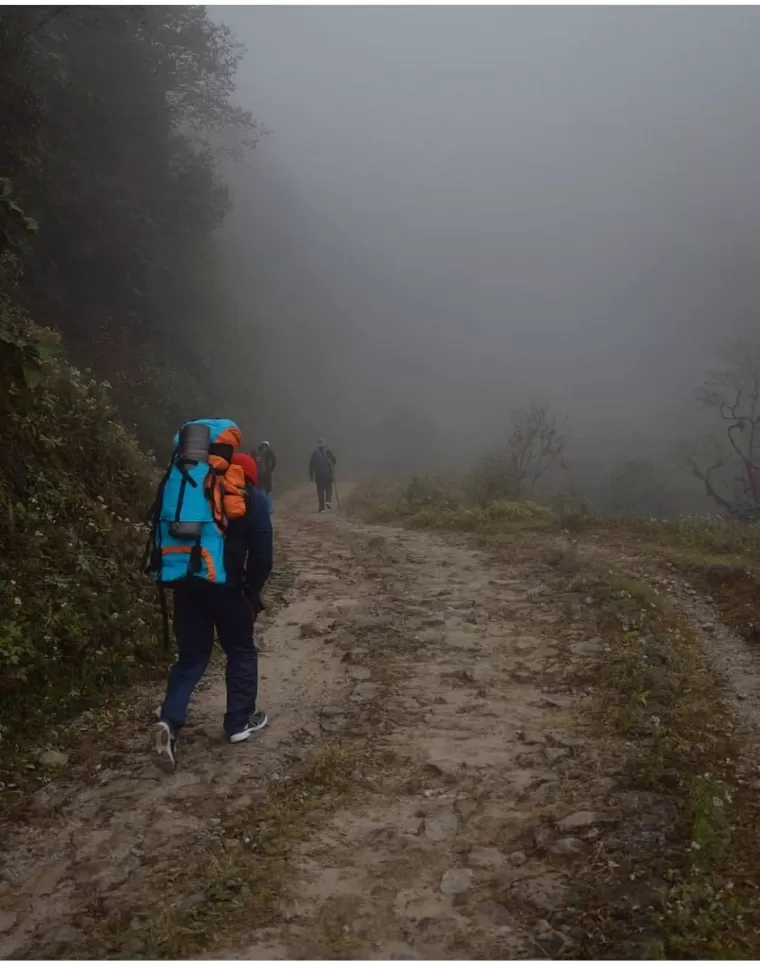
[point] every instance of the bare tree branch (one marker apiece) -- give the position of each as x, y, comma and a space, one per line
536, 445
734, 394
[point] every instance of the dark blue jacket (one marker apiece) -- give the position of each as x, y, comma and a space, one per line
249, 548
321, 464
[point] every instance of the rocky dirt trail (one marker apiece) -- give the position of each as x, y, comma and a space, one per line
438, 675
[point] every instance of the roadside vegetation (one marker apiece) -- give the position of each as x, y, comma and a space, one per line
78, 618
676, 875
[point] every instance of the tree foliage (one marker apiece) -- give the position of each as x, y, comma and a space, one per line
111, 139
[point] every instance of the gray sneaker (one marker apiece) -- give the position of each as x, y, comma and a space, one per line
255, 723
164, 748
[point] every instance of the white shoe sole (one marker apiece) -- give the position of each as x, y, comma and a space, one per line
246, 734
162, 755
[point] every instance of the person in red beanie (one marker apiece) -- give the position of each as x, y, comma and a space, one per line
249, 466
201, 607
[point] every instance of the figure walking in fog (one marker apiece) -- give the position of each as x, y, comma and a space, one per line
266, 463
321, 467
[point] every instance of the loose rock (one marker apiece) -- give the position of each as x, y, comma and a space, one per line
544, 892
490, 859
240, 804
590, 647
54, 759
465, 806
456, 881
561, 739
440, 828
533, 738
495, 914
360, 672
606, 784
569, 847
578, 820
47, 881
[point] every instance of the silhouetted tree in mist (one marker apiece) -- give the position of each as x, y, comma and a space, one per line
728, 463
535, 445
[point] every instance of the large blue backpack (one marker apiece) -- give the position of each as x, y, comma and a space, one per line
197, 497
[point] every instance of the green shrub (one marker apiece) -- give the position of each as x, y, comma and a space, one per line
519, 511
76, 614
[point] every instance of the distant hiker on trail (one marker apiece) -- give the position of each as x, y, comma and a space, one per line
266, 462
212, 544
321, 470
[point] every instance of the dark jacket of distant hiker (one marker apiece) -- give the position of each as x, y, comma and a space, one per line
266, 462
321, 464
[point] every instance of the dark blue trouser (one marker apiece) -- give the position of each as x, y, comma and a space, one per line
199, 607
324, 490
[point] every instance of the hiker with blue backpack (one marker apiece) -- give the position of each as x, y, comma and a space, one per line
211, 543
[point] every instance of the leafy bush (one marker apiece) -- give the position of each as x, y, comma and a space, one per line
493, 478
76, 614
438, 491
433, 503
518, 511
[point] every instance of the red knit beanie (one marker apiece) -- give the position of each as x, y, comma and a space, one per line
248, 465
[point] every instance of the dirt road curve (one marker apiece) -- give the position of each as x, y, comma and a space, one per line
432, 673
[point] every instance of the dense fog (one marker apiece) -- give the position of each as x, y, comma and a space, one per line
457, 210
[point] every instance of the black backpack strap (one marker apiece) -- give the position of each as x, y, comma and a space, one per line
148, 564
164, 613
195, 562
151, 562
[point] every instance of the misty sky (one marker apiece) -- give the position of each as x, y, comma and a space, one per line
461, 208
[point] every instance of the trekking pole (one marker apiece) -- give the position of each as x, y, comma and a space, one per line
335, 488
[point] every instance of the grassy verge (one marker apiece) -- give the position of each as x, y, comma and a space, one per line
721, 559
417, 506
682, 877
